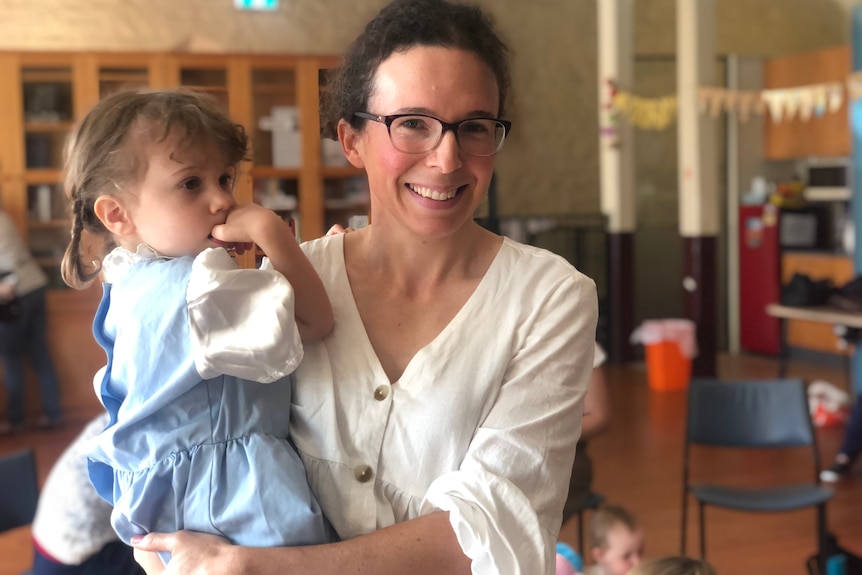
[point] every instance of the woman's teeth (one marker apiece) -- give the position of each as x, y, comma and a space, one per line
433, 194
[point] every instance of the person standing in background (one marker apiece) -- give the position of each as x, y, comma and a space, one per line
25, 336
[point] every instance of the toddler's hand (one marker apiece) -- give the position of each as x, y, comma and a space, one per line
244, 226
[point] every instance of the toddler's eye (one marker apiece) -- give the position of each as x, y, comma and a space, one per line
192, 184
226, 181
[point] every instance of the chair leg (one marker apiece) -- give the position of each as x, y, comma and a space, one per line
821, 537
581, 532
702, 530
683, 523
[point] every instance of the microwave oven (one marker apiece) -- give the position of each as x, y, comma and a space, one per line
809, 228
828, 179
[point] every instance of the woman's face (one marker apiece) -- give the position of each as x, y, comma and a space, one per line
436, 192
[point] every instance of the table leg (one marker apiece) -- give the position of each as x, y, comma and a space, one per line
783, 351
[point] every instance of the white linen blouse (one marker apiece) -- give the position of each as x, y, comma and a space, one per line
482, 423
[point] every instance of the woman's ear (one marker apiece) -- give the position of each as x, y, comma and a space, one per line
113, 215
351, 143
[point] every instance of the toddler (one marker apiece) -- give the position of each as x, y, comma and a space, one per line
193, 441
616, 541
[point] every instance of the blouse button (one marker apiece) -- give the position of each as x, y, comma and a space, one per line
363, 473
381, 392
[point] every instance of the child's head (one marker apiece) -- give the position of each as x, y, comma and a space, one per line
616, 540
674, 566
153, 167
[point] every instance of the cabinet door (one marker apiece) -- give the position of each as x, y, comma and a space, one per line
824, 136
838, 269
55, 91
276, 133
49, 99
207, 74
118, 72
344, 188
8, 117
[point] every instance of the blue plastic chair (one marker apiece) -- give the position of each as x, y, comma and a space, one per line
19, 489
751, 414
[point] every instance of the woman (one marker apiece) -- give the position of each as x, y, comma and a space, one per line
435, 422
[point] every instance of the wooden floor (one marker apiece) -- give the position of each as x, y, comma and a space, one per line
638, 465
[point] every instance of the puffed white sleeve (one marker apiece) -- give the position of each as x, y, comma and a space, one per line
505, 501
241, 320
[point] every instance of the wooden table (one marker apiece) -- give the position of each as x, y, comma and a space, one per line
822, 314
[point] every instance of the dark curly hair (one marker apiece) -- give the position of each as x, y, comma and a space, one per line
399, 26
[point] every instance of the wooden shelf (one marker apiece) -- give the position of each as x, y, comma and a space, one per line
339, 172
272, 172
50, 75
48, 127
50, 224
43, 176
277, 89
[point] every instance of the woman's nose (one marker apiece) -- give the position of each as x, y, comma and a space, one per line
447, 154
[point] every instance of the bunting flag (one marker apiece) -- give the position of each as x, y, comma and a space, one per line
646, 113
783, 104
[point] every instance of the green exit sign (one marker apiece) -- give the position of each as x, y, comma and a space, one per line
255, 4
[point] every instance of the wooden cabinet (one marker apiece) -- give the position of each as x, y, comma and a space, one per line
277, 100
818, 266
824, 136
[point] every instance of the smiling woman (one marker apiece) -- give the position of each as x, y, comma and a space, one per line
438, 421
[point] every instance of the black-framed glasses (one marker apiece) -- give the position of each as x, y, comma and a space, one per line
418, 133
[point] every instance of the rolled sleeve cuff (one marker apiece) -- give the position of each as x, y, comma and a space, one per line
494, 523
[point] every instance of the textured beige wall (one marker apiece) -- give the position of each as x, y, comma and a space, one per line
550, 164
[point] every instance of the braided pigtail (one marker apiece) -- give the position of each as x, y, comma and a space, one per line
82, 260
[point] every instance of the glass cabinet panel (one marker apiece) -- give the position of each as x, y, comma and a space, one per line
48, 114
275, 132
213, 81
276, 140
48, 228
344, 198
113, 79
345, 188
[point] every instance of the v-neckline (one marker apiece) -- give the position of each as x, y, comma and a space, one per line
456, 319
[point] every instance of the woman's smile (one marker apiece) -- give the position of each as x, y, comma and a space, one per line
437, 194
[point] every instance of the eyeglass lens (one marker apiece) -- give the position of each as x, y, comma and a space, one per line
417, 134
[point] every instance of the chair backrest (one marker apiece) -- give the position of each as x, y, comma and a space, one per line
749, 413
19, 489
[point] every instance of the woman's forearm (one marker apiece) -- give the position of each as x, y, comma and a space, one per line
426, 545
422, 546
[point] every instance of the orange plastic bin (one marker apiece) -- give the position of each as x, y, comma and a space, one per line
669, 346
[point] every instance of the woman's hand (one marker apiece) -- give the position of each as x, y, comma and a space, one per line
338, 229
7, 291
191, 553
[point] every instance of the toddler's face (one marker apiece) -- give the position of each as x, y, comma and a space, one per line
624, 550
182, 195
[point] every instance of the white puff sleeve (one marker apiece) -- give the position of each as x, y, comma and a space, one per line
242, 320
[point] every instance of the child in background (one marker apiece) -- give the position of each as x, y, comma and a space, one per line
674, 566
72, 532
616, 541
194, 440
